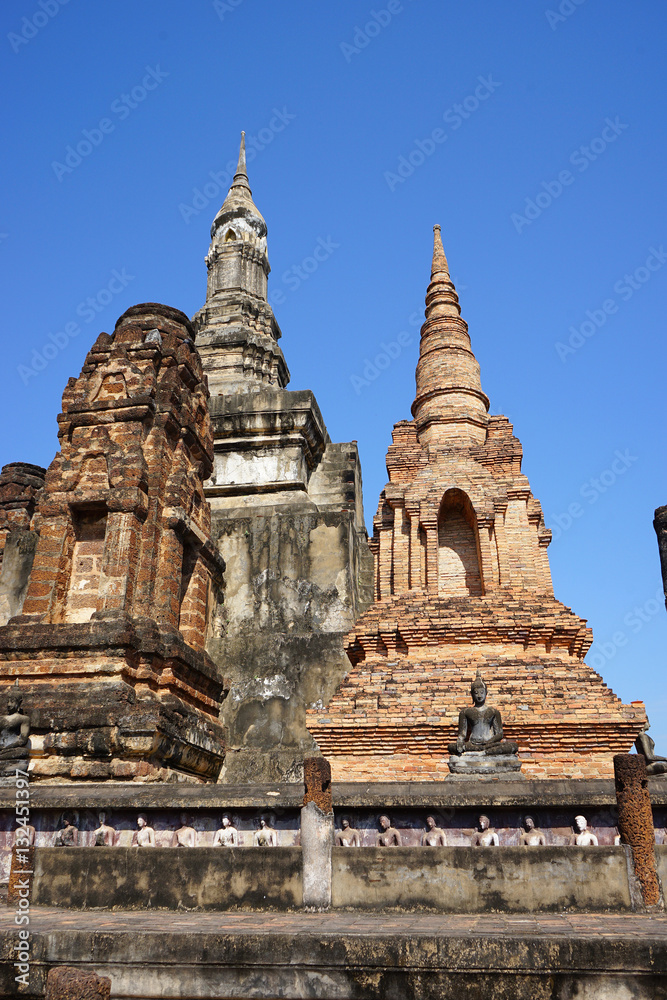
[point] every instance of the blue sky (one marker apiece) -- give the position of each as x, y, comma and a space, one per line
533, 132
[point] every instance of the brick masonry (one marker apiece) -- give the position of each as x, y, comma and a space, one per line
110, 643
462, 582
67, 983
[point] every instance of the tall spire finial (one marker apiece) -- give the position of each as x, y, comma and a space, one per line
441, 290
241, 175
239, 203
439, 259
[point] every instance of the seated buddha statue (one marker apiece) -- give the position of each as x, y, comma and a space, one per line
481, 735
655, 764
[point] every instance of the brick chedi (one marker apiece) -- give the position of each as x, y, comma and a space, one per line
286, 513
462, 582
109, 649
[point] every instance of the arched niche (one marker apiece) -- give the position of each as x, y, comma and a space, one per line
458, 547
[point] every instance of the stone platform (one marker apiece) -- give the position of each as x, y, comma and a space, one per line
346, 956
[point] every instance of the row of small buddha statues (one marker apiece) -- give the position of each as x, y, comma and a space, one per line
483, 836
266, 836
144, 835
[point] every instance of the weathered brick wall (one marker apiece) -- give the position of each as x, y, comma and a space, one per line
124, 497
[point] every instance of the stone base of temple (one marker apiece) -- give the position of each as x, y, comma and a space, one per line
550, 922
320, 956
474, 763
118, 699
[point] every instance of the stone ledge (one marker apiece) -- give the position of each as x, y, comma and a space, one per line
346, 795
478, 792
168, 795
551, 957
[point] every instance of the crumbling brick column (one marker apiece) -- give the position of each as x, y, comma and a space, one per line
635, 821
317, 782
317, 833
67, 983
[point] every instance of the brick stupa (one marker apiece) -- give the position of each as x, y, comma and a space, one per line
110, 645
462, 582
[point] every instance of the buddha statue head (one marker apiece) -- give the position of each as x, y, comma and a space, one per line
478, 690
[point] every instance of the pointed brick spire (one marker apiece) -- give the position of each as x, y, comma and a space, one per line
450, 406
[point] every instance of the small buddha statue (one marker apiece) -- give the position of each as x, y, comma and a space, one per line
530, 835
582, 836
655, 764
144, 835
14, 734
434, 836
481, 734
67, 835
348, 836
227, 835
186, 835
484, 835
105, 836
266, 836
388, 835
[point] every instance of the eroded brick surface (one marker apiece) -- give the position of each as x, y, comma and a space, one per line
317, 781
66, 983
